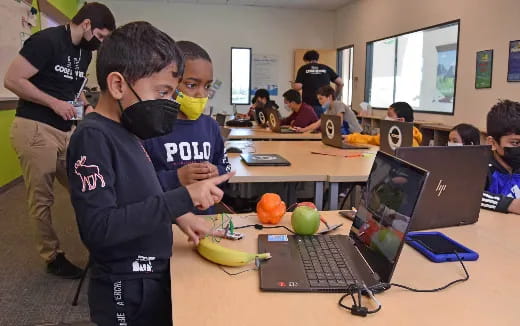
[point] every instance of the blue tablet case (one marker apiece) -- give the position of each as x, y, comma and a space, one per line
439, 258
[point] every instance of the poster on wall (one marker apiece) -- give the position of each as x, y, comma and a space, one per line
265, 73
446, 65
513, 71
484, 69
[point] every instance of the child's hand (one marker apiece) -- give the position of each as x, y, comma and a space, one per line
194, 226
191, 173
206, 193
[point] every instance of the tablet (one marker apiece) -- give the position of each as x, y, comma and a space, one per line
438, 247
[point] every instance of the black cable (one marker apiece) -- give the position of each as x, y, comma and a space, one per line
260, 227
258, 261
233, 274
357, 309
442, 287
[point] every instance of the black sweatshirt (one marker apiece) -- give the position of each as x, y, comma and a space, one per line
124, 217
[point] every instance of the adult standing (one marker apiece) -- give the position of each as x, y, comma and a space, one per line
46, 75
313, 75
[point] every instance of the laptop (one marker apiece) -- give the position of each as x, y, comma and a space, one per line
331, 132
395, 134
264, 160
369, 254
454, 189
224, 133
221, 119
261, 118
274, 120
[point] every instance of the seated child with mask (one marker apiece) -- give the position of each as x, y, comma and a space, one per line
398, 111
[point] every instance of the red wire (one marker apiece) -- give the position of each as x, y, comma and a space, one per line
228, 208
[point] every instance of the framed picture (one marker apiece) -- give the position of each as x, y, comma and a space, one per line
513, 68
484, 69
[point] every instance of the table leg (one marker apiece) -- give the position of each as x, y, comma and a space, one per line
333, 195
318, 195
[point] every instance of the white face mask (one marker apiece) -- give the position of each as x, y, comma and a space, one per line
450, 143
286, 106
391, 119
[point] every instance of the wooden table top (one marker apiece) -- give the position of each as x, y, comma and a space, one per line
204, 295
329, 165
258, 133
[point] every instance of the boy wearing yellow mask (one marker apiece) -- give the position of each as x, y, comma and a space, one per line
194, 150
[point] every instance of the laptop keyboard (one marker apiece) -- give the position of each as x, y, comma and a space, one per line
325, 265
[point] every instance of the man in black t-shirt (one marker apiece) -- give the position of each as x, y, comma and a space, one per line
312, 76
46, 75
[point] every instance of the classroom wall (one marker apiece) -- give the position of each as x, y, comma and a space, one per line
484, 25
10, 168
219, 27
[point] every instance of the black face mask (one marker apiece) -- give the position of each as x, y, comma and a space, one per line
91, 45
512, 157
149, 119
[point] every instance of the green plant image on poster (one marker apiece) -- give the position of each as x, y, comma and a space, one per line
484, 69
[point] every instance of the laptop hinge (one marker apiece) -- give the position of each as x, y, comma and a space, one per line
366, 263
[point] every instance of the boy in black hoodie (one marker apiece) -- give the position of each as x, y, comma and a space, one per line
124, 217
502, 192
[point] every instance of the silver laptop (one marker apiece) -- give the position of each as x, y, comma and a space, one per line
369, 254
331, 132
395, 134
454, 189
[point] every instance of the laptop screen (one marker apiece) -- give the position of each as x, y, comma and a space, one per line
387, 203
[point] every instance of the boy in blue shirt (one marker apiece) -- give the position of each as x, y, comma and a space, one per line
124, 217
502, 192
194, 150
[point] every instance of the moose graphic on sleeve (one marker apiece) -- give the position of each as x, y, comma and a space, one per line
89, 174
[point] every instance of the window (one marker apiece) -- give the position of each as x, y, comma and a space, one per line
418, 67
240, 75
345, 64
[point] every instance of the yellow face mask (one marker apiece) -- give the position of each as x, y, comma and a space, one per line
192, 107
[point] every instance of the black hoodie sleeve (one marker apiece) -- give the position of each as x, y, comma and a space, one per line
104, 222
495, 202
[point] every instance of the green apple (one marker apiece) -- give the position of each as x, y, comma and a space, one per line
305, 220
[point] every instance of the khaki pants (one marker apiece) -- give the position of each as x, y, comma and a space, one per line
41, 150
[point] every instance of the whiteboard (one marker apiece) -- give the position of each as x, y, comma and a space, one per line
12, 35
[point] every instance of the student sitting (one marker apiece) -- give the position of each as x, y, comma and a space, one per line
260, 100
327, 99
502, 192
194, 150
302, 114
398, 111
464, 134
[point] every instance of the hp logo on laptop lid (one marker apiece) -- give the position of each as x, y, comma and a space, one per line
395, 137
329, 129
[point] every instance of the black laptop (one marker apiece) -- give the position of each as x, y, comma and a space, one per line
453, 192
369, 254
395, 134
331, 133
275, 119
264, 160
261, 118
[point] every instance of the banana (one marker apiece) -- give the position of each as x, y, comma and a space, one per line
225, 256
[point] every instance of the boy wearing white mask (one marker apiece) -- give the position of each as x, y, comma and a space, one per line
194, 150
398, 111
